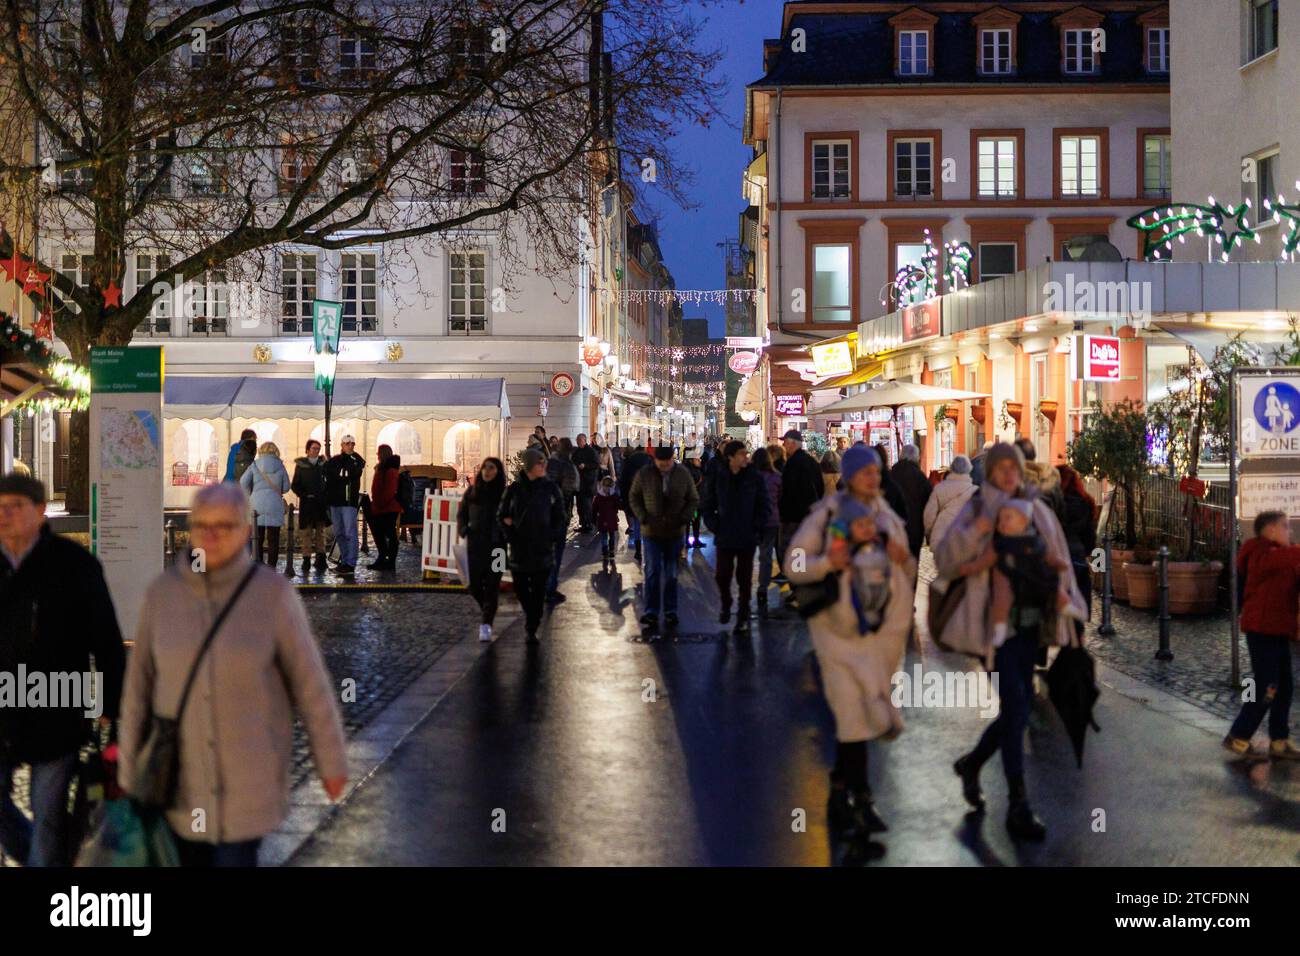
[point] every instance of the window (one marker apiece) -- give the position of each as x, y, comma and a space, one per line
150, 269
997, 259
1263, 27
357, 57
914, 169
296, 167
1158, 50
212, 58
997, 167
1073, 248
467, 296
1080, 166
913, 52
467, 173
1079, 58
468, 48
909, 254
78, 179
1265, 186
207, 175
297, 291
831, 169
207, 303
152, 167
832, 284
77, 268
299, 53
357, 275
995, 52
1157, 169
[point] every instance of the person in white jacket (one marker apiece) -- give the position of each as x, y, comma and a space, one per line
947, 501
856, 668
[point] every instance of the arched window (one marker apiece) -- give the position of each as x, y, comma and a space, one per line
269, 431
461, 448
196, 458
404, 439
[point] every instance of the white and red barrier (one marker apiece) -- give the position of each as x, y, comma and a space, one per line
436, 544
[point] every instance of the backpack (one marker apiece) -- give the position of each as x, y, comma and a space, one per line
406, 491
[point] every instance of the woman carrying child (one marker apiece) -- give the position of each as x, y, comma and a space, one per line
851, 559
1009, 547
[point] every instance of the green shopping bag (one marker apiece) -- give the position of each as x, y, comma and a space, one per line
130, 835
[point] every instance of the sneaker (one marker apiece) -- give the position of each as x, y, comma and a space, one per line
485, 632
670, 618
344, 569
1022, 824
1242, 748
970, 782
1283, 750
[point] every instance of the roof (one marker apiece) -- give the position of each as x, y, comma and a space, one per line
853, 45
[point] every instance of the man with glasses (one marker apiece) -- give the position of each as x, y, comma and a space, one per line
55, 615
343, 493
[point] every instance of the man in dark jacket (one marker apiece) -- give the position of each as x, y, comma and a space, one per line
343, 493
915, 489
587, 462
888, 487
535, 517
663, 498
635, 460
562, 471
735, 508
55, 614
802, 486
313, 510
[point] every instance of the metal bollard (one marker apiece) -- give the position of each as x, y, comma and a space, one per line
1162, 565
252, 538
1107, 629
365, 532
288, 546
169, 543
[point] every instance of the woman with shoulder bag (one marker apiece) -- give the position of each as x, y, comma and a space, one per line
478, 524
850, 561
266, 481
223, 656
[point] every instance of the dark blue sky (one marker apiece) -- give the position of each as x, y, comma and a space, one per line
716, 156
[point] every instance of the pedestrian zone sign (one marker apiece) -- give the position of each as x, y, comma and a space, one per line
1269, 416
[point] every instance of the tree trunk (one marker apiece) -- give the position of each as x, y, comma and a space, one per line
1130, 515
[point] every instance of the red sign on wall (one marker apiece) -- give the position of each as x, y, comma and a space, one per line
742, 363
1100, 358
592, 355
921, 321
791, 406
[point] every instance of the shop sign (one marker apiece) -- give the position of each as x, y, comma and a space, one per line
743, 363
591, 355
791, 406
1269, 416
921, 321
832, 358
744, 341
1099, 358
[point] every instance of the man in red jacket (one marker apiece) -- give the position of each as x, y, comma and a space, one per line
385, 509
1270, 565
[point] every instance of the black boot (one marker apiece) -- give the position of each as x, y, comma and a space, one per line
1022, 824
762, 604
969, 771
742, 621
306, 565
321, 563
866, 819
839, 808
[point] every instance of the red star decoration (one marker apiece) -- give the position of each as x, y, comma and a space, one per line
112, 295
43, 328
34, 279
14, 267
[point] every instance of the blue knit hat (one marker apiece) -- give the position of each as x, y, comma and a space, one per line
855, 459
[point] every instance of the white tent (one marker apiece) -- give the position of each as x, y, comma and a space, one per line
897, 395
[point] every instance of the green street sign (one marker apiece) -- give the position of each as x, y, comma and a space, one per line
326, 324
126, 369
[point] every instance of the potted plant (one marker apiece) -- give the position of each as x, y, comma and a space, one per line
1047, 408
978, 412
1141, 574
1008, 420
1113, 448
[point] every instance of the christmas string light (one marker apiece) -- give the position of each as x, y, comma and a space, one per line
923, 279
1163, 224
667, 296
66, 374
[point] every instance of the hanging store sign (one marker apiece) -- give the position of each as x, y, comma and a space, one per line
592, 355
743, 363
1269, 416
921, 321
832, 358
744, 341
1098, 358
790, 406
562, 384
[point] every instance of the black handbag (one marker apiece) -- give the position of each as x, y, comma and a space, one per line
812, 599
157, 766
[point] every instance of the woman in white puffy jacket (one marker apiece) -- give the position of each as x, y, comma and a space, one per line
856, 666
947, 500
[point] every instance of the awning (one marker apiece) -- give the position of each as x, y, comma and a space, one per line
232, 396
861, 376
634, 398
23, 380
749, 397
1206, 339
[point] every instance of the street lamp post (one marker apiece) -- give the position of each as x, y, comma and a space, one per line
326, 327
326, 369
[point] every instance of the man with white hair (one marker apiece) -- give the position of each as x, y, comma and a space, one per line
343, 492
915, 488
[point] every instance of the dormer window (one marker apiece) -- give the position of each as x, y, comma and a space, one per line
1078, 56
995, 38
1155, 40
913, 42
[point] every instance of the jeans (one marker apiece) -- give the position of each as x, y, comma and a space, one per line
633, 530
787, 531
553, 583
609, 541
766, 550
345, 533
661, 572
741, 561
384, 527
584, 507
484, 583
531, 591
41, 841
195, 854
1014, 664
1270, 663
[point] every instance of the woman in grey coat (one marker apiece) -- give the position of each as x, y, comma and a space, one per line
236, 732
267, 480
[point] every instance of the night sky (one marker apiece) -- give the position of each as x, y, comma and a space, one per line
716, 156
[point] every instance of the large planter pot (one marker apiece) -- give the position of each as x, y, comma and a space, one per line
1194, 586
978, 411
1118, 579
1143, 586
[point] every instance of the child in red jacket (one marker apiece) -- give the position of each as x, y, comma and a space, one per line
606, 505
1270, 565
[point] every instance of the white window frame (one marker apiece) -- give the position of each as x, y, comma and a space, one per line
359, 300
1000, 64
1015, 254
996, 190
835, 166
298, 159
148, 268
1077, 58
459, 259
1075, 167
818, 309
1165, 189
215, 57
211, 293
1256, 190
467, 183
292, 262
908, 61
912, 143
76, 270
363, 57
1158, 53
146, 162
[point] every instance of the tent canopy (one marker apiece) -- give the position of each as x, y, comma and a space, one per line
897, 394
408, 399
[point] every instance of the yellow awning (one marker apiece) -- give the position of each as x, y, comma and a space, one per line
861, 376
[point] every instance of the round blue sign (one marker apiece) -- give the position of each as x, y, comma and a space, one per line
1277, 408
